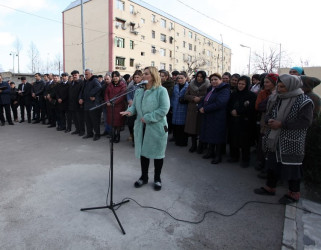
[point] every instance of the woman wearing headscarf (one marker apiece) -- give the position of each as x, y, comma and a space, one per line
289, 114
151, 105
242, 121
195, 92
269, 82
213, 107
168, 84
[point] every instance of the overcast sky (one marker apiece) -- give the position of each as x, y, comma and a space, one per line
293, 24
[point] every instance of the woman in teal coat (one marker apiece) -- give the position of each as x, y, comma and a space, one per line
151, 105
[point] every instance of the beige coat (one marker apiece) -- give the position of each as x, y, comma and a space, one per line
193, 117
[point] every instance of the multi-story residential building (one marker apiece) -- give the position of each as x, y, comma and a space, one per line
126, 35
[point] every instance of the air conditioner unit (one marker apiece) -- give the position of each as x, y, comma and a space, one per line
154, 51
155, 21
117, 26
134, 32
123, 67
124, 27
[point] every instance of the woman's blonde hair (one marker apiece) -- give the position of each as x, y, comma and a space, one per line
155, 76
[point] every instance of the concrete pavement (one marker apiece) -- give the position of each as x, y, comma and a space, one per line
47, 176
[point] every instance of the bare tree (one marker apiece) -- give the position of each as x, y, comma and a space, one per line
34, 58
270, 62
57, 63
18, 48
194, 64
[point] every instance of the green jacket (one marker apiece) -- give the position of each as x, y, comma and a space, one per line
152, 105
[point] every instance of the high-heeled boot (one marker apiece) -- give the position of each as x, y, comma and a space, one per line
210, 152
194, 144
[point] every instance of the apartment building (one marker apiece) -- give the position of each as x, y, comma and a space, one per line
126, 35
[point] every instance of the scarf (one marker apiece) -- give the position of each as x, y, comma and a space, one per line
286, 100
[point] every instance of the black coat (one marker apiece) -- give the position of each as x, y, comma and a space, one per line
242, 127
25, 97
92, 88
13, 94
51, 91
38, 88
75, 91
62, 90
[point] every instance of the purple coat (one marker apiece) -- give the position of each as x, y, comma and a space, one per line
213, 125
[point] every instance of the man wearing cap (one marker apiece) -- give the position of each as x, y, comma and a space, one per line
25, 99
37, 92
62, 102
91, 97
52, 101
74, 108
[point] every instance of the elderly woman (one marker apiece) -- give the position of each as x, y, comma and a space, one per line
213, 107
242, 121
195, 92
289, 114
151, 106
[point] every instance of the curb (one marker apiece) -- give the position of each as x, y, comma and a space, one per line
290, 229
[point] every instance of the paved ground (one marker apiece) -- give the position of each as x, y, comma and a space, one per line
47, 176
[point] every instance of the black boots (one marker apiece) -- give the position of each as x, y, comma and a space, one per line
218, 154
210, 152
194, 144
116, 136
201, 147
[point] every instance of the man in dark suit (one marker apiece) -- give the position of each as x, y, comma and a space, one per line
51, 101
25, 99
37, 92
5, 102
91, 97
74, 108
62, 102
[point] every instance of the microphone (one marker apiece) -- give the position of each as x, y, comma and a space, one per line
142, 83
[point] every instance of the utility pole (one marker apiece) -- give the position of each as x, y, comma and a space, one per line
83, 37
222, 55
244, 46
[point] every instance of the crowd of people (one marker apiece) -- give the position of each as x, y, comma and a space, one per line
269, 112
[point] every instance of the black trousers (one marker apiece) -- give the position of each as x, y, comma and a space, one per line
39, 108
79, 120
272, 179
62, 118
69, 120
22, 111
6, 107
92, 120
181, 138
158, 164
14, 108
245, 153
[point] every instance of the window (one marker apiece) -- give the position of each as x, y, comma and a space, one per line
177, 34
163, 38
170, 67
163, 23
142, 37
152, 63
171, 39
190, 58
194, 47
131, 44
153, 18
190, 34
120, 61
131, 9
170, 53
132, 26
162, 66
171, 26
190, 46
120, 5
184, 31
131, 62
162, 52
184, 44
195, 37
153, 49
142, 53
153, 34
119, 42
120, 23
142, 20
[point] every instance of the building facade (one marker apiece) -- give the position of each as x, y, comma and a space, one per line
126, 35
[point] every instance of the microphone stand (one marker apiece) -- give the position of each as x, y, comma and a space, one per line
112, 205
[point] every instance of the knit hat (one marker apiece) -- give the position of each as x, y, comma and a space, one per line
272, 77
298, 69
